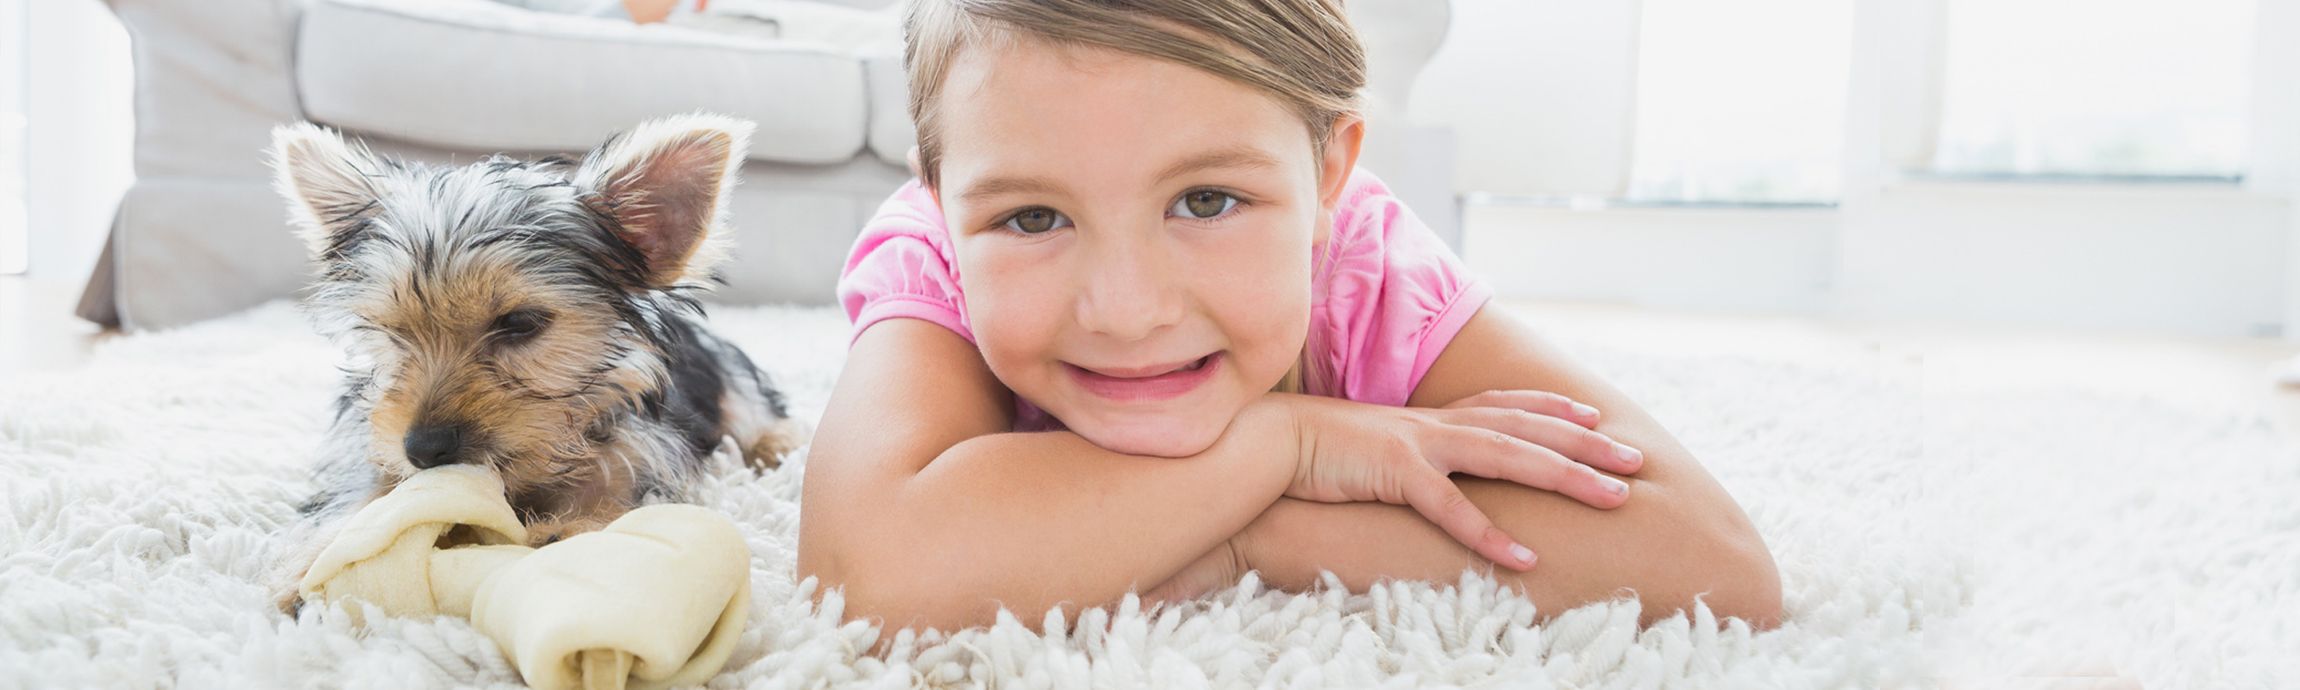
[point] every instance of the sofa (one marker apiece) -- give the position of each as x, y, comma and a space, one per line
201, 233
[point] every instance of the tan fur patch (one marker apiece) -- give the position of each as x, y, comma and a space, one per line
528, 403
766, 451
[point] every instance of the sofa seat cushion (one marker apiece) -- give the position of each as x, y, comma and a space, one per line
478, 75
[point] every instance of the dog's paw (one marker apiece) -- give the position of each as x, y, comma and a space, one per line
766, 452
286, 585
289, 600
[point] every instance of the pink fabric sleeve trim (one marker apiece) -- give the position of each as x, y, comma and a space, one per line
907, 307
900, 267
1448, 324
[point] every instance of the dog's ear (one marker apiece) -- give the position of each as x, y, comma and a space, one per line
328, 185
664, 185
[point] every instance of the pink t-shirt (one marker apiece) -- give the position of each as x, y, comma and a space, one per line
1387, 298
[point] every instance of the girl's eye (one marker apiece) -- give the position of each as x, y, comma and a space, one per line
1032, 221
519, 325
1203, 204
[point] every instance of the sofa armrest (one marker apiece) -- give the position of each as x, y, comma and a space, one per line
212, 79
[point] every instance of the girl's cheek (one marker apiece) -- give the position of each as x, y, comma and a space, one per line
1259, 289
1012, 300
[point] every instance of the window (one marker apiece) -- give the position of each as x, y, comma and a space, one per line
13, 238
2096, 88
1741, 102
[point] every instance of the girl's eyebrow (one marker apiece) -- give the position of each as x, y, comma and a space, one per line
1000, 186
1233, 157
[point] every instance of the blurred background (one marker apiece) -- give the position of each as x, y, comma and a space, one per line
1984, 308
2106, 172
2121, 165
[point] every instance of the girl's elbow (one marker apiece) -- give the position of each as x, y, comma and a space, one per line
895, 606
1748, 586
817, 562
837, 566
1728, 567
1730, 583
862, 596
893, 597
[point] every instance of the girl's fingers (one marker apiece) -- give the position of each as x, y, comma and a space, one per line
1437, 498
1537, 402
1495, 455
1583, 445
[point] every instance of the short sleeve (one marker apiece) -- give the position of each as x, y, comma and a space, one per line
901, 266
1390, 297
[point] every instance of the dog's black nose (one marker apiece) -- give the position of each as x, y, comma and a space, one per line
432, 446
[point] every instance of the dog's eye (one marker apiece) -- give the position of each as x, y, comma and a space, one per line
516, 326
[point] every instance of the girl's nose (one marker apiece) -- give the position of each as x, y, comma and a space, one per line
1132, 289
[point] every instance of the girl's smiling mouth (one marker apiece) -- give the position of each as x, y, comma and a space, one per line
1146, 384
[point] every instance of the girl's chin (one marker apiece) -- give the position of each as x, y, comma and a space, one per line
1169, 437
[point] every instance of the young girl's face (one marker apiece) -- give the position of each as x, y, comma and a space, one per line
1133, 237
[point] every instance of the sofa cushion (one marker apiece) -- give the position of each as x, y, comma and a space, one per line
479, 75
891, 133
188, 248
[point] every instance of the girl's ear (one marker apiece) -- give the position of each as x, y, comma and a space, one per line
1342, 146
931, 188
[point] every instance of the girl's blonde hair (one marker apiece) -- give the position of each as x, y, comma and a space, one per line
1303, 53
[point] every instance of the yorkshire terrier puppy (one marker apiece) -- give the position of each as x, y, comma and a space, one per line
537, 317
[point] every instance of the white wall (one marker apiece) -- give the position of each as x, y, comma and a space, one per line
81, 127
2199, 260
78, 149
1539, 94
2211, 262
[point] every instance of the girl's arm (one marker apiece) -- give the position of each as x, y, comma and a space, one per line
1679, 536
913, 493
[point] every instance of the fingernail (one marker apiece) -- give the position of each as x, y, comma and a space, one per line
1627, 454
1615, 485
1523, 555
1584, 410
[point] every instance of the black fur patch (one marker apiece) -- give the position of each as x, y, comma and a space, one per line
691, 400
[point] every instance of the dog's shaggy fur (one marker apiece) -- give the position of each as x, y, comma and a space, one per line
537, 317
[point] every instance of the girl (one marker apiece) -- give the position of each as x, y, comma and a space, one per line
1140, 325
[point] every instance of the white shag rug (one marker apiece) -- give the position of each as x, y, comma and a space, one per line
2048, 538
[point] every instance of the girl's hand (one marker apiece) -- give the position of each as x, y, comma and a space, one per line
1402, 455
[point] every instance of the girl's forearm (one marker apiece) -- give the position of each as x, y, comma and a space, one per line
1031, 521
1657, 547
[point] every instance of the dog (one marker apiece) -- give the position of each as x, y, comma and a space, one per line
538, 317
